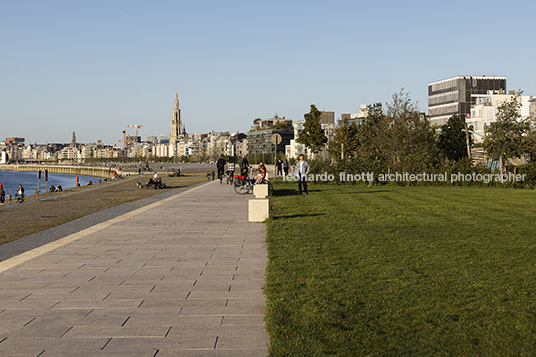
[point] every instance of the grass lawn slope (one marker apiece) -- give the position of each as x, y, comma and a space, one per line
20, 220
411, 271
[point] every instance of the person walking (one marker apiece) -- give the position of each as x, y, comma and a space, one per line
286, 166
2, 194
302, 170
230, 170
220, 164
243, 164
279, 166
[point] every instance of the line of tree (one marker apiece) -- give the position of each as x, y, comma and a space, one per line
398, 137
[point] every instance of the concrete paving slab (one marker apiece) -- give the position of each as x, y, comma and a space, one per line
140, 331
80, 347
102, 317
183, 276
29, 305
97, 304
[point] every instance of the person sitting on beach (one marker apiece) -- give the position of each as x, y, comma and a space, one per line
20, 193
89, 183
59, 188
52, 189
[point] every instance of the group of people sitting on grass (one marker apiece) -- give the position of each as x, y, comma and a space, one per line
55, 188
18, 196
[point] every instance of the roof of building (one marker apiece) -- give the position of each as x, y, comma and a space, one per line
466, 77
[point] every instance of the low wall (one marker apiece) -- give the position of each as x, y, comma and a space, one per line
69, 170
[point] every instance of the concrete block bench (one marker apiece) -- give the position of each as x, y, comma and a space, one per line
260, 191
258, 209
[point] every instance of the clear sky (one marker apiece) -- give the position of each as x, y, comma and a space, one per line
96, 66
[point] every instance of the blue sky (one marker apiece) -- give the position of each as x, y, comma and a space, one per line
94, 67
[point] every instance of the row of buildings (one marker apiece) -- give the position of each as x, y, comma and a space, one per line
473, 98
263, 140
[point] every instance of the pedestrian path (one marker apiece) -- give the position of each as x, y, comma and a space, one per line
180, 277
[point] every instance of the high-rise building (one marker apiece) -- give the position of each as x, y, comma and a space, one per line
452, 96
177, 127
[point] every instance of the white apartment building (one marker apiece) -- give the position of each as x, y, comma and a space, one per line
358, 117
68, 153
484, 112
295, 148
161, 150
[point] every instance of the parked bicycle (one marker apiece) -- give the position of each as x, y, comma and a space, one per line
18, 197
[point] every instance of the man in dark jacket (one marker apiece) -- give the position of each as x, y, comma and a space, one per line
220, 164
243, 163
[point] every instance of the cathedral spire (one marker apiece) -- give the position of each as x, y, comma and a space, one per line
176, 105
176, 121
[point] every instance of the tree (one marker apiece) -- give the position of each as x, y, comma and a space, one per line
404, 137
312, 135
282, 125
345, 140
506, 136
370, 150
452, 141
531, 138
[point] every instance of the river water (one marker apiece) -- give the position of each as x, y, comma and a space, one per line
10, 181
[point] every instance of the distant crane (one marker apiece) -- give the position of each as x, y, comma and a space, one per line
135, 126
124, 139
136, 138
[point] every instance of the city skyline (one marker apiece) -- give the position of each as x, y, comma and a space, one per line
95, 68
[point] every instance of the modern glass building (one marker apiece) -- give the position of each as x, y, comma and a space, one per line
452, 96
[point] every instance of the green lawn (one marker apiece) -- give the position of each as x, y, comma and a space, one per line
401, 271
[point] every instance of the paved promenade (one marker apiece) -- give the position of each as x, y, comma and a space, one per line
180, 277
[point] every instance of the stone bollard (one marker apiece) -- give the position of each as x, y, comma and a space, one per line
258, 210
260, 191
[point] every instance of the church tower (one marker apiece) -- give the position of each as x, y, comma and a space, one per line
177, 128
73, 140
